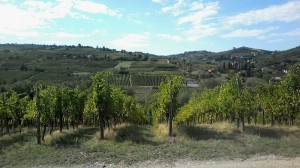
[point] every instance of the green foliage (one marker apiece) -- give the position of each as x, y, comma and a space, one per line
54, 105
232, 100
164, 98
109, 105
101, 95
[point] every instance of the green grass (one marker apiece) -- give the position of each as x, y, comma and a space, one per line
12, 76
136, 143
124, 64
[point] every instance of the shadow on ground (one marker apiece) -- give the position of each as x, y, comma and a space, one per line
270, 132
203, 133
136, 133
74, 139
15, 139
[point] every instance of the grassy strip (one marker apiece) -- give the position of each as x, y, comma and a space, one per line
135, 143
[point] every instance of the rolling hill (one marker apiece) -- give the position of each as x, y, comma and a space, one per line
22, 65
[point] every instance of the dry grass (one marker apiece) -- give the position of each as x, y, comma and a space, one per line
135, 143
160, 132
224, 127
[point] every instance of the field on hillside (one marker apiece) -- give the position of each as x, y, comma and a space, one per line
63, 62
73, 65
130, 144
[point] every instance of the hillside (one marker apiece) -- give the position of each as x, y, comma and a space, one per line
22, 65
288, 57
264, 57
258, 63
59, 64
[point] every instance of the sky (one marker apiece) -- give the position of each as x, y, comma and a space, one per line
159, 27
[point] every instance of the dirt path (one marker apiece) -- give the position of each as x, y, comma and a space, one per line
255, 162
264, 162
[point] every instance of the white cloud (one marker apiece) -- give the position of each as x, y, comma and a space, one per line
49, 10
287, 12
201, 30
67, 35
37, 14
275, 41
201, 15
132, 41
176, 9
196, 17
13, 18
199, 20
17, 33
79, 16
24, 19
249, 33
170, 37
37, 5
293, 33
70, 35
197, 5
92, 7
159, 1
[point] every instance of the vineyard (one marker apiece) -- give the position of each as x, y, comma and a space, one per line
120, 80
53, 106
147, 80
63, 114
271, 103
136, 80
